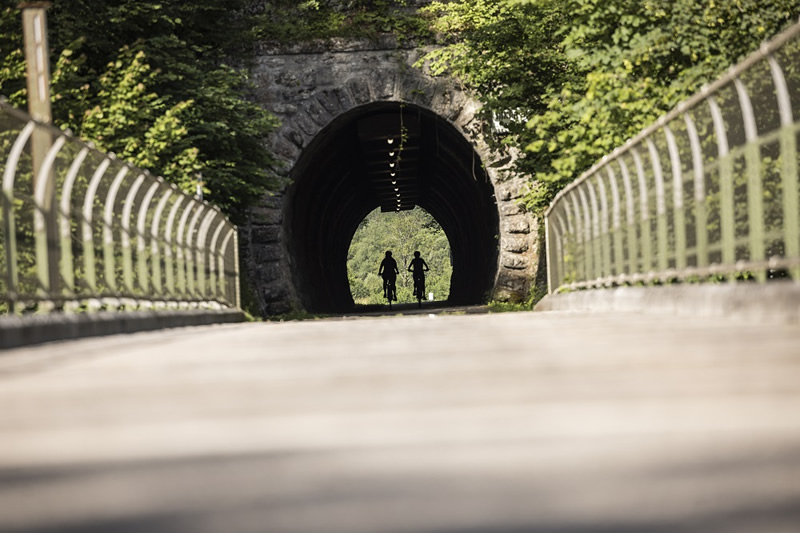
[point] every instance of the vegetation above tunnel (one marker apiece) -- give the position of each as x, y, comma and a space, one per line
570, 80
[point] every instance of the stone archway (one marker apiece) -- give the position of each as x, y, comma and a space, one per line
316, 94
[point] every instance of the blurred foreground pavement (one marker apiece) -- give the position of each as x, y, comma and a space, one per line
511, 423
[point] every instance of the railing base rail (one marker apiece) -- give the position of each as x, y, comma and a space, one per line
16, 331
776, 302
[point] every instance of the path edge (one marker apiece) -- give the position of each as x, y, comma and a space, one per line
777, 302
17, 331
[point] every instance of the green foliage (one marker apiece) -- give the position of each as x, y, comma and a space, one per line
403, 233
290, 21
148, 80
508, 307
587, 75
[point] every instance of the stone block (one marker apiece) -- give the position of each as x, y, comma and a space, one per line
274, 291
296, 138
287, 150
344, 98
273, 201
514, 261
279, 307
323, 76
384, 84
329, 100
517, 224
282, 108
304, 122
502, 294
511, 209
267, 216
267, 253
511, 191
268, 272
359, 88
515, 244
266, 234
513, 280
318, 114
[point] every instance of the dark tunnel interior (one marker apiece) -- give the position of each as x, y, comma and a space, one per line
394, 157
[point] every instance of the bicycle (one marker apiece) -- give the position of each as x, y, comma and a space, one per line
419, 289
390, 290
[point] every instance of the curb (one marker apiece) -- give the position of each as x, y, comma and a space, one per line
777, 302
16, 331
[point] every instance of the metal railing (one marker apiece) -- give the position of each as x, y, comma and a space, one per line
708, 192
82, 230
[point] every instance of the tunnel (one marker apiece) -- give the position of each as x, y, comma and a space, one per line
394, 157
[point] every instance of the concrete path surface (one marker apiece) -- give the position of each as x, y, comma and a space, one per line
507, 423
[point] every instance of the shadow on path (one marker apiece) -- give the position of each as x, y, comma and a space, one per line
411, 308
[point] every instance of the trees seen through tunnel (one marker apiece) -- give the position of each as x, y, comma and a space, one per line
402, 233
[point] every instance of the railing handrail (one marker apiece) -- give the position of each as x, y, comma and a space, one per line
119, 186
729, 170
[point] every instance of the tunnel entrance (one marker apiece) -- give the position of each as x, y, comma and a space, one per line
394, 157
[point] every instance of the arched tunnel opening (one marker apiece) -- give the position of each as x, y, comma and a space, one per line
392, 156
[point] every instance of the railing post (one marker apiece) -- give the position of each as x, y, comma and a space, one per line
191, 248
644, 215
700, 214
605, 227
679, 217
168, 243
725, 163
619, 266
755, 195
37, 59
65, 222
141, 238
9, 222
238, 301
661, 205
630, 216
108, 228
155, 241
126, 234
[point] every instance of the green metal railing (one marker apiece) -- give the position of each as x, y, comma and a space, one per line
708, 192
82, 230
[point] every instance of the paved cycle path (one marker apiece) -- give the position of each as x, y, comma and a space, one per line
504, 423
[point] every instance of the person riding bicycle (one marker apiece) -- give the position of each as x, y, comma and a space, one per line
389, 271
418, 266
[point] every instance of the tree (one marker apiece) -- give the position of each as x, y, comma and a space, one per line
161, 83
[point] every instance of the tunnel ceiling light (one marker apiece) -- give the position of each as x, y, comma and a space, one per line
398, 195
394, 182
392, 174
390, 140
396, 189
391, 165
391, 154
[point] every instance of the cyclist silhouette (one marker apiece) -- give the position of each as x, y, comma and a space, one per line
388, 270
418, 266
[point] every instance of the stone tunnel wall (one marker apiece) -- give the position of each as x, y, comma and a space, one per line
309, 86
